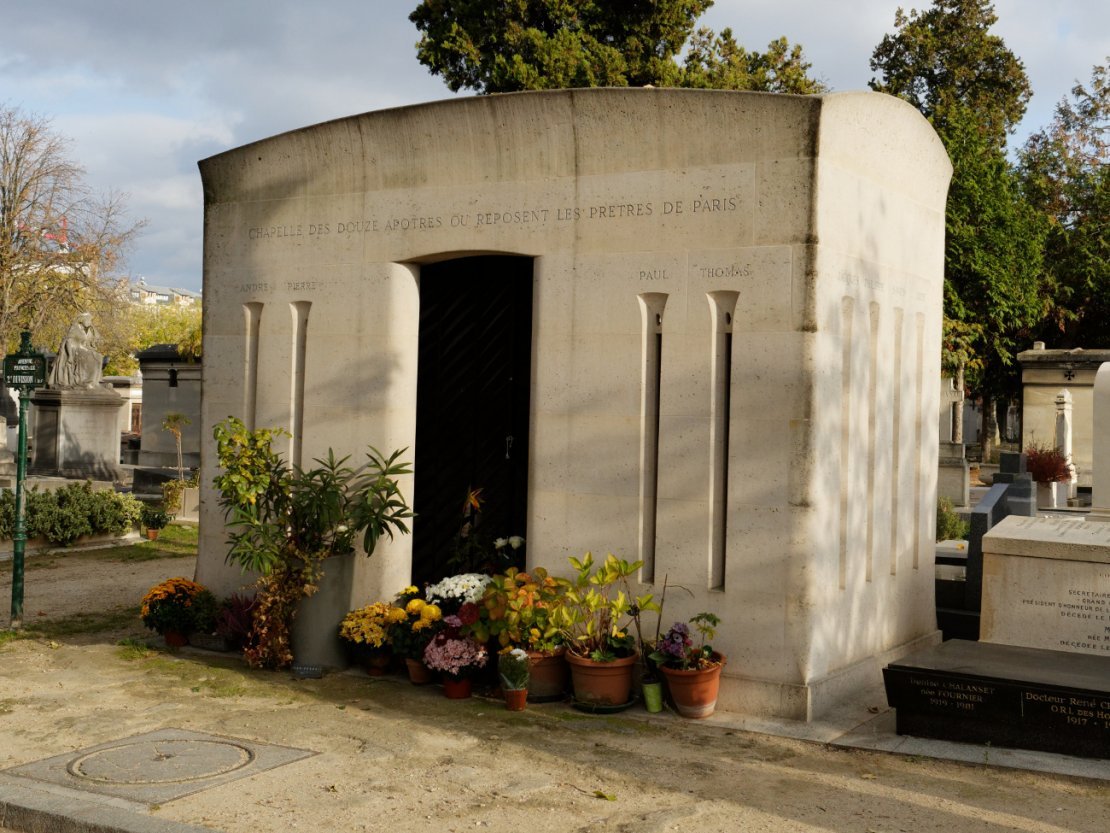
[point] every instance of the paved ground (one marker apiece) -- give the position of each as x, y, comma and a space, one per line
120, 737
391, 756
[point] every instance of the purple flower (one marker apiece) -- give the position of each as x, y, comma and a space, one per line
676, 642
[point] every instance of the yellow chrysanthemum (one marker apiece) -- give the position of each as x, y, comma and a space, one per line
415, 606
395, 615
409, 590
431, 613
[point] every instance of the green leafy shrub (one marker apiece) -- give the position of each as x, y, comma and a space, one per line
63, 515
154, 517
173, 489
950, 526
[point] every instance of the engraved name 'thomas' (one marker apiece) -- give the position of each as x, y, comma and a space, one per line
530, 216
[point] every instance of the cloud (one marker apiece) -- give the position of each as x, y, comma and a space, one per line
146, 89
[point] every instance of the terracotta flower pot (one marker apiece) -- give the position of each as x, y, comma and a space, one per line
602, 683
175, 639
694, 692
549, 675
419, 673
456, 688
515, 699
377, 661
152, 534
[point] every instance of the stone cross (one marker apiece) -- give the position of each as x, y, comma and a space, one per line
1063, 436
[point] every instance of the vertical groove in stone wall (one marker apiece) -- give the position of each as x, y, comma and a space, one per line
252, 320
722, 305
651, 313
896, 440
847, 312
919, 396
872, 430
299, 310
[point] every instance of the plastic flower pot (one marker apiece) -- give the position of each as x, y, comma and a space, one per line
653, 696
456, 688
515, 699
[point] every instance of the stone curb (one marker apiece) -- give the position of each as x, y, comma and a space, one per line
30, 810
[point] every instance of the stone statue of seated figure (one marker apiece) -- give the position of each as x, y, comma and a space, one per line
78, 365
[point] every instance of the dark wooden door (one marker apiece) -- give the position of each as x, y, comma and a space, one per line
472, 410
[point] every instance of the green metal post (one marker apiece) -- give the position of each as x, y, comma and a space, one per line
19, 538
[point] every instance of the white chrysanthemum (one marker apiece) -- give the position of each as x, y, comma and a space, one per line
467, 587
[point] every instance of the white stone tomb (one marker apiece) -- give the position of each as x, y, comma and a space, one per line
731, 359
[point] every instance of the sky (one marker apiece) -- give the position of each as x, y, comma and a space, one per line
144, 89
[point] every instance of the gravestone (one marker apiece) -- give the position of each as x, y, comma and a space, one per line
954, 474
711, 349
1046, 584
76, 419
960, 581
7, 458
1002, 695
1011, 466
1043, 373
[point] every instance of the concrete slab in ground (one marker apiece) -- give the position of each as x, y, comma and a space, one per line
156, 767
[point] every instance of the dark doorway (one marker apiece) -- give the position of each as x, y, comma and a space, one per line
472, 405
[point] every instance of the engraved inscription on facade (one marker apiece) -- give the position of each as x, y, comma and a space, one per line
489, 216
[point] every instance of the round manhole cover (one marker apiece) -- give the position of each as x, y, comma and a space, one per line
160, 761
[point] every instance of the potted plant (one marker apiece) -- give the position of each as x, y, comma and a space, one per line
517, 612
286, 523
1048, 466
176, 608
693, 673
154, 519
233, 620
593, 618
410, 635
513, 670
651, 683
457, 656
365, 633
451, 593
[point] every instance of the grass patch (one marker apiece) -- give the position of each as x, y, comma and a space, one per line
176, 541
115, 619
201, 678
7, 636
132, 648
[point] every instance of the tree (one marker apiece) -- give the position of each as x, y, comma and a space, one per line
973, 90
945, 57
132, 328
175, 423
993, 264
496, 46
1065, 174
59, 244
718, 62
